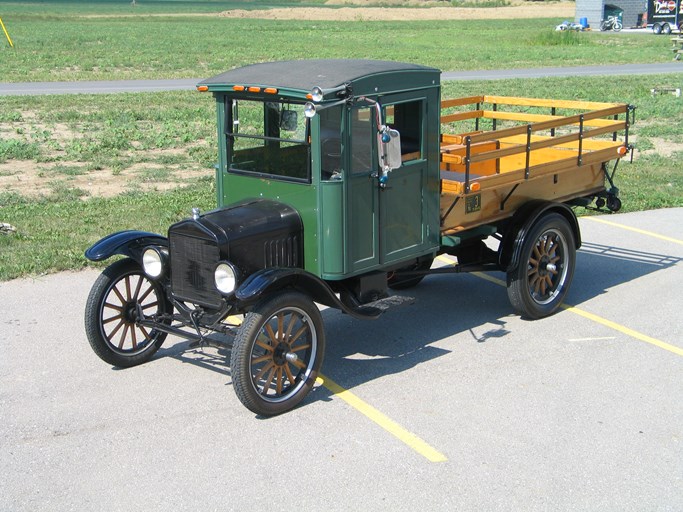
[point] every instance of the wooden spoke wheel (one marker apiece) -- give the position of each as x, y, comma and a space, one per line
119, 296
538, 285
277, 353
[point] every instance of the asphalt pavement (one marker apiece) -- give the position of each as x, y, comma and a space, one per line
579, 411
116, 86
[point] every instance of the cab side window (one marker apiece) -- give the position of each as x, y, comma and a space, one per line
362, 139
407, 119
330, 143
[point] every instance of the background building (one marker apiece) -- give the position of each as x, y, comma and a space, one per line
632, 11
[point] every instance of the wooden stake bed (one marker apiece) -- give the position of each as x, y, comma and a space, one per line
523, 149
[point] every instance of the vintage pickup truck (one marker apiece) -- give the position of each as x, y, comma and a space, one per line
338, 180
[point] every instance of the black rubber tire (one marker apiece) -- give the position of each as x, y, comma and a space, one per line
538, 285
395, 283
265, 377
657, 29
666, 29
110, 314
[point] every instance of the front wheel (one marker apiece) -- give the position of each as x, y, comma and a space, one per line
277, 353
617, 26
538, 285
120, 294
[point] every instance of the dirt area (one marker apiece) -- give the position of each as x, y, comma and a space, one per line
396, 10
517, 10
54, 173
31, 179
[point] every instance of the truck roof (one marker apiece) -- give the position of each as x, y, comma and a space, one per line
303, 75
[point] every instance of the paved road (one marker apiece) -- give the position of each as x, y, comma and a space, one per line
99, 87
580, 411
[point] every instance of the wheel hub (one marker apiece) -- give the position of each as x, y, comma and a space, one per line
280, 354
544, 266
130, 312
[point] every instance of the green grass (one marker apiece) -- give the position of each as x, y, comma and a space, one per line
68, 48
54, 231
142, 7
68, 136
18, 150
112, 131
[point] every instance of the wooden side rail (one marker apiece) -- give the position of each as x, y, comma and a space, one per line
579, 119
548, 103
458, 102
545, 143
537, 118
462, 116
453, 158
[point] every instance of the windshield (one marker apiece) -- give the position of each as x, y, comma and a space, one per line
268, 138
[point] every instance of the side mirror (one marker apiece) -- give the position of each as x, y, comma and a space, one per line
392, 150
289, 120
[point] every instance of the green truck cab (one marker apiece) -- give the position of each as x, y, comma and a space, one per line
327, 164
335, 185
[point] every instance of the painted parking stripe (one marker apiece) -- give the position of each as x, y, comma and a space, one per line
383, 421
635, 230
595, 318
624, 330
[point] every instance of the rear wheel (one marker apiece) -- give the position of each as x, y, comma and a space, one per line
666, 29
538, 285
117, 299
277, 353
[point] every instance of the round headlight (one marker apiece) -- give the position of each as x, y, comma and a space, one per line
225, 277
317, 94
153, 262
309, 109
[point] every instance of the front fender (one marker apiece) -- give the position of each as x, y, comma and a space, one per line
128, 243
270, 280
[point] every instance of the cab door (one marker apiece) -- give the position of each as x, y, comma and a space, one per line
386, 224
402, 216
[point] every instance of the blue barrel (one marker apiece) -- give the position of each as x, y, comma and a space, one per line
583, 22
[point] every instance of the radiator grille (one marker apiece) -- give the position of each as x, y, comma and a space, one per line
193, 263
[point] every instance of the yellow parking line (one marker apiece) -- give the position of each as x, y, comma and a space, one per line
624, 330
635, 230
595, 318
383, 421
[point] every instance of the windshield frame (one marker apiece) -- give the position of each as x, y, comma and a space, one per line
300, 167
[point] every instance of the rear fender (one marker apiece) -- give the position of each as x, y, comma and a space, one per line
522, 222
271, 280
126, 243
